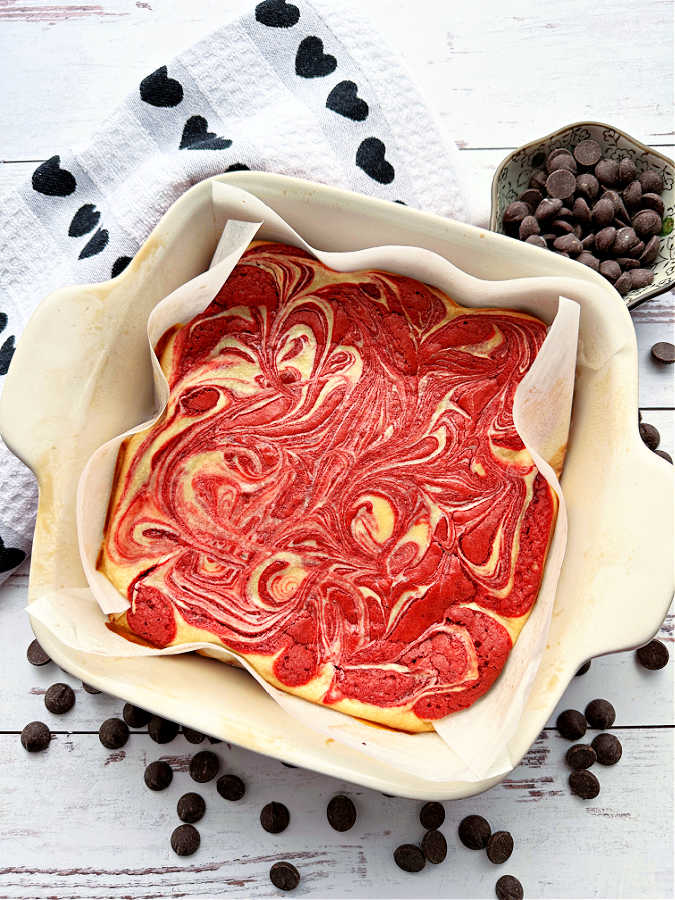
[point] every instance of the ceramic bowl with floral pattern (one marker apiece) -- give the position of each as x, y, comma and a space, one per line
513, 175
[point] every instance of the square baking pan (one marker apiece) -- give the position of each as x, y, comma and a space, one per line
617, 579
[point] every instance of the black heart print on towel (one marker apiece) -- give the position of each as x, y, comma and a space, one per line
50, 179
84, 220
196, 136
10, 557
7, 349
277, 14
343, 100
158, 89
370, 158
95, 244
119, 265
311, 61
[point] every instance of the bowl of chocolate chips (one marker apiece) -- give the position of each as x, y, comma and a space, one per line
594, 194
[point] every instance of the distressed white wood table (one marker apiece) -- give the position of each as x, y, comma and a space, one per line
77, 821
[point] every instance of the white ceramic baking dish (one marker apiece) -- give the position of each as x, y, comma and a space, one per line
617, 579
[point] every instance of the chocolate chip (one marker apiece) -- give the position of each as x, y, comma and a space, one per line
537, 240
158, 775
341, 813
651, 182
581, 210
604, 239
589, 260
409, 858
515, 212
664, 455
588, 153
185, 840
653, 201
619, 208
113, 734
162, 731
607, 172
434, 847
135, 717
588, 186
636, 249
474, 832
583, 669
627, 263
627, 170
432, 816
588, 243
602, 213
561, 184
36, 656
571, 724
192, 736
610, 269
532, 197
35, 737
623, 284
647, 223
607, 748
500, 847
547, 209
191, 807
509, 888
625, 239
538, 179
653, 655
664, 352
230, 787
284, 876
560, 159
650, 435
568, 243
89, 689
204, 766
59, 698
640, 278
562, 226
528, 227
580, 756
600, 714
651, 251
584, 784
632, 194
274, 817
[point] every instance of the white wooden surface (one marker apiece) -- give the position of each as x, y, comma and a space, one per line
77, 821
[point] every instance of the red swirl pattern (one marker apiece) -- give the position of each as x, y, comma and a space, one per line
336, 490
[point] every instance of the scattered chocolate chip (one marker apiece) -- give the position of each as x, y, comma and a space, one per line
432, 816
664, 352
162, 730
191, 807
568, 243
653, 201
625, 239
192, 736
651, 182
274, 817
547, 209
623, 283
185, 840
650, 435
434, 847
59, 698
537, 240
561, 159
135, 717
653, 655
509, 888
580, 756
583, 669
632, 194
158, 775
616, 201
113, 734
637, 249
627, 263
500, 847
89, 689
230, 787
284, 876
600, 714
607, 172
409, 858
587, 259
584, 784
562, 227
538, 179
36, 656
204, 766
515, 212
640, 278
588, 186
588, 153
607, 749
581, 210
602, 213
664, 455
604, 239
588, 243
627, 170
532, 197
647, 223
571, 724
341, 813
528, 227
651, 251
474, 832
35, 737
561, 184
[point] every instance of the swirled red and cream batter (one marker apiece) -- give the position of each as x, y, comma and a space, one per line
336, 490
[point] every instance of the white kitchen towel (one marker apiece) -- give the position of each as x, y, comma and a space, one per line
299, 89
